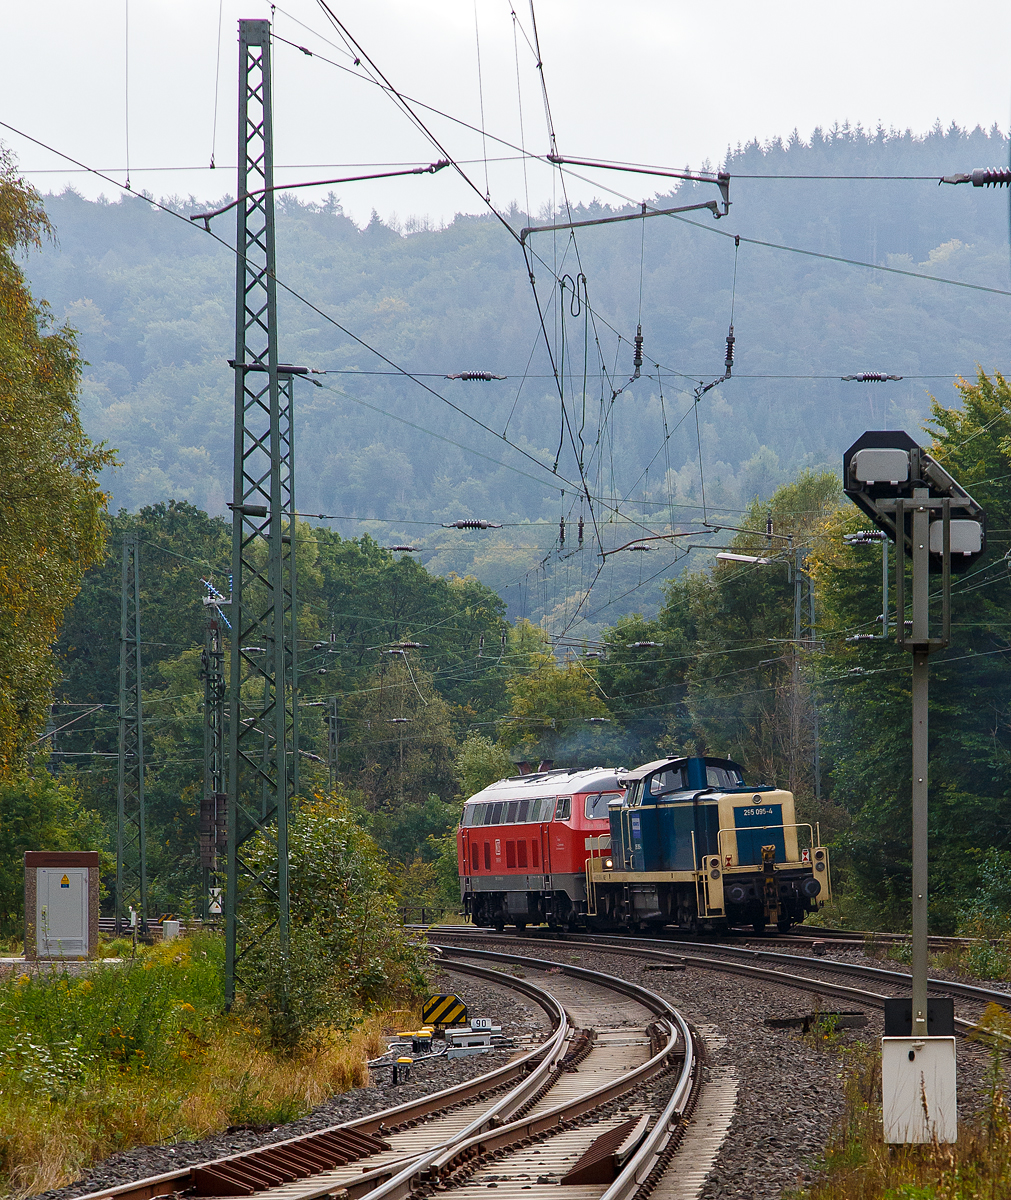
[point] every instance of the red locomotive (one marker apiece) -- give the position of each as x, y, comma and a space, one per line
523, 843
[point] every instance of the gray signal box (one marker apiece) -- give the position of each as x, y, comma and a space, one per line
61, 904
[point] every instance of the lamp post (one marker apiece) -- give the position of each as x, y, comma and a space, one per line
939, 526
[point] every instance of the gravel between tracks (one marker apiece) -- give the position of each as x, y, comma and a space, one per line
519, 1018
790, 1092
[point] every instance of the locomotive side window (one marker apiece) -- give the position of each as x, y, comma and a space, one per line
496, 814
521, 815
667, 781
487, 856
511, 807
723, 777
540, 810
563, 808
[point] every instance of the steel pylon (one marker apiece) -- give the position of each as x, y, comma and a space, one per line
263, 703
131, 833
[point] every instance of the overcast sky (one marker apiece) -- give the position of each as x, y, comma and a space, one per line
642, 80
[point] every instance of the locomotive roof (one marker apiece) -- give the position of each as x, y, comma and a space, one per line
553, 783
651, 768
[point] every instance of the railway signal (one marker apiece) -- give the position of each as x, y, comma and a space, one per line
942, 529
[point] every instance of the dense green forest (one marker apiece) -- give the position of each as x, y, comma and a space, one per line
151, 298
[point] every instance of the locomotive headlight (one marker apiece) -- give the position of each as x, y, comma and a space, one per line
714, 874
608, 864
819, 866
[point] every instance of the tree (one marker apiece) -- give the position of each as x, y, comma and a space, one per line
720, 677
397, 740
38, 812
348, 948
550, 711
369, 601
866, 693
479, 762
51, 530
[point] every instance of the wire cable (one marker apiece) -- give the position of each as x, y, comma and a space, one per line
480, 93
126, 85
217, 79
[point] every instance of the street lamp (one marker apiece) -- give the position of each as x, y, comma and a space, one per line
918, 505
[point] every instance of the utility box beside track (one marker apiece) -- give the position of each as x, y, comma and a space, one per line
61, 904
918, 1098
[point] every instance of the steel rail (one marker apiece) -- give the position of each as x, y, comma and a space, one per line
966, 991
641, 947
443, 1160
170, 1182
649, 1156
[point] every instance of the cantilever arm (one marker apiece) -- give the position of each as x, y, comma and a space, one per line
288, 187
712, 205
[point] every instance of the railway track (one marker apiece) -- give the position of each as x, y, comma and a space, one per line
782, 968
799, 936
572, 1103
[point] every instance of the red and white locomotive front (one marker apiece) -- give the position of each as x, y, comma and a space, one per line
523, 842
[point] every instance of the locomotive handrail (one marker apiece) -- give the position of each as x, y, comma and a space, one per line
758, 828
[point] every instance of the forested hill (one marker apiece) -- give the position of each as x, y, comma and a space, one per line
152, 297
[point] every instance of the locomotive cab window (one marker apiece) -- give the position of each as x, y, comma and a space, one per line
723, 777
563, 808
664, 782
596, 804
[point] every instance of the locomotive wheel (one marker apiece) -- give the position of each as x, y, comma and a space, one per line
785, 925
759, 928
500, 926
520, 925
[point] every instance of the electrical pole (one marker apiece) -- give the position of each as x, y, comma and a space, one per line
795, 674
333, 745
131, 834
263, 701
213, 820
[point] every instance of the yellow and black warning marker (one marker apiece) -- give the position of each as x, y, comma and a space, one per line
444, 1010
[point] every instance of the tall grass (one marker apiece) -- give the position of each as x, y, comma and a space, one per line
859, 1165
144, 1053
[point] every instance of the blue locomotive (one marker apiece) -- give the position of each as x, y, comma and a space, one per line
691, 846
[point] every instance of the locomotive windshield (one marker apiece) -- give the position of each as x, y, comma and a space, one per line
595, 805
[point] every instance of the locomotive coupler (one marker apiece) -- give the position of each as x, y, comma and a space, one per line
771, 887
